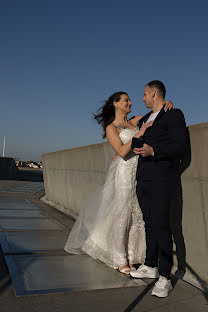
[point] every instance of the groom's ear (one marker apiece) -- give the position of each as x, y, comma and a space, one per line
153, 93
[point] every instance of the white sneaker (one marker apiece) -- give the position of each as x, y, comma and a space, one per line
145, 271
162, 287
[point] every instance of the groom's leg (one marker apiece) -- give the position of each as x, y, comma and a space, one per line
161, 192
144, 195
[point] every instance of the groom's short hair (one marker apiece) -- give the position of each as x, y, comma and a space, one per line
159, 85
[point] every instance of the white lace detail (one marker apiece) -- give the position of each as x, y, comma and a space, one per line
110, 226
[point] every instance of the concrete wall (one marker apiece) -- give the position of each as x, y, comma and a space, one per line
72, 175
195, 202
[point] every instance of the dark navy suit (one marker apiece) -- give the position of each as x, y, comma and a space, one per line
157, 177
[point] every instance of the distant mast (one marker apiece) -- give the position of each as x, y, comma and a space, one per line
4, 146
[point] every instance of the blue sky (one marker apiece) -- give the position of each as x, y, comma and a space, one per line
59, 61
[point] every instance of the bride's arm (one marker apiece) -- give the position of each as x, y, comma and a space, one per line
113, 138
135, 120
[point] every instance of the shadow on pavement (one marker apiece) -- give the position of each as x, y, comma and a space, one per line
200, 281
139, 298
5, 280
13, 277
174, 279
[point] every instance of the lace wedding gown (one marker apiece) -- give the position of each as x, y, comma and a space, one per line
110, 225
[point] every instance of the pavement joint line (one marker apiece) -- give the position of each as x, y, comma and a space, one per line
26, 188
23, 218
11, 246
17, 209
54, 252
26, 230
53, 220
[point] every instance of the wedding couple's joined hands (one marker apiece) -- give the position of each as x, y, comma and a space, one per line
126, 221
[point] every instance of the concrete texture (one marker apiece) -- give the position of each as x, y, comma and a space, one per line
36, 242
31, 188
71, 176
34, 224
184, 297
15, 203
38, 263
6, 213
43, 274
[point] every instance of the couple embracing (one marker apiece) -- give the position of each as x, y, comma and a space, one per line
126, 221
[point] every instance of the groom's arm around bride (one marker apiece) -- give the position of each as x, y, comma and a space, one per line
170, 147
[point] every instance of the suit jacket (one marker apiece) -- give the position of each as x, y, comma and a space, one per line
167, 136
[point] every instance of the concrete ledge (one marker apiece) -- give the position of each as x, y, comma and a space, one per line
58, 207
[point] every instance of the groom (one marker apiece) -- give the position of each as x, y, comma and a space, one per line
160, 150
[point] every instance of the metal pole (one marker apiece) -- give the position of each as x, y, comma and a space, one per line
4, 146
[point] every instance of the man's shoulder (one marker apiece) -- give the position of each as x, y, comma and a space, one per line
174, 116
174, 112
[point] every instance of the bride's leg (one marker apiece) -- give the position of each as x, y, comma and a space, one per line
136, 239
118, 243
122, 213
132, 240
118, 236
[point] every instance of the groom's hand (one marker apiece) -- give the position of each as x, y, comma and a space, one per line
144, 151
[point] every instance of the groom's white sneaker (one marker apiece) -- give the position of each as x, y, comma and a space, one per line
145, 271
162, 287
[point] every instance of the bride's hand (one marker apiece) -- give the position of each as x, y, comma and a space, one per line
168, 105
143, 129
114, 157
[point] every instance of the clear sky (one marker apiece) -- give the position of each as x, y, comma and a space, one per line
60, 59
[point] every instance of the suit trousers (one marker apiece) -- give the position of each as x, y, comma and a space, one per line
154, 199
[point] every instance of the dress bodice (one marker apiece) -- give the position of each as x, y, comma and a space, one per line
127, 134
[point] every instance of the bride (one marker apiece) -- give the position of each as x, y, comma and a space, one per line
110, 225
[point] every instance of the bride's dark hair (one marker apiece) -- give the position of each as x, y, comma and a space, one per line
106, 113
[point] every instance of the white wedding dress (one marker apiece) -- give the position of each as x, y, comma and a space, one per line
110, 225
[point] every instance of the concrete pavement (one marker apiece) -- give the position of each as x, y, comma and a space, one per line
129, 297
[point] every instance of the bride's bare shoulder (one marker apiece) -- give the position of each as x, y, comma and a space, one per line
111, 128
136, 119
